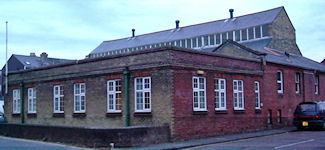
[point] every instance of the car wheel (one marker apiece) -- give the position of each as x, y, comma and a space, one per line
323, 127
300, 128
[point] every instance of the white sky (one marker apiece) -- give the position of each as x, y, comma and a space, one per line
72, 29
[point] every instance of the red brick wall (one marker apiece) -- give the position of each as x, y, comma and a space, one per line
188, 124
273, 100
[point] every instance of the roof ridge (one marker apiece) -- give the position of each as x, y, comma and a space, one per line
39, 57
282, 52
282, 7
247, 48
240, 46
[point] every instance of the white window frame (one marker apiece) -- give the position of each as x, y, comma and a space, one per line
79, 93
257, 95
297, 81
280, 81
111, 91
32, 105
219, 90
59, 96
221, 36
16, 101
237, 91
317, 85
254, 37
197, 88
143, 90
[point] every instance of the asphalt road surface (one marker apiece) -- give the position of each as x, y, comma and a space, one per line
298, 140
7, 143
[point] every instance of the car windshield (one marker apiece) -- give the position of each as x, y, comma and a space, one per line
306, 108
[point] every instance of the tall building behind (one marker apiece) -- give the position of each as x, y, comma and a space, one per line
273, 26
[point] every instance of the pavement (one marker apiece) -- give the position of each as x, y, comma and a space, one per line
11, 143
213, 140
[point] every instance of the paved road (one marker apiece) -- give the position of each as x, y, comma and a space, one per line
22, 144
302, 140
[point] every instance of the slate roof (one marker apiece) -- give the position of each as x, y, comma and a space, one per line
212, 27
280, 57
32, 62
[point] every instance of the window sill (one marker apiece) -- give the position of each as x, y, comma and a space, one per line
58, 115
258, 111
200, 112
142, 114
114, 114
31, 115
221, 111
79, 115
239, 111
15, 115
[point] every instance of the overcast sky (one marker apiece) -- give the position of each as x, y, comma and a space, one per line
72, 29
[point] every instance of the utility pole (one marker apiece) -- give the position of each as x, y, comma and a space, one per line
6, 57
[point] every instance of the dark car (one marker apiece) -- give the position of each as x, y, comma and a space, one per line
310, 115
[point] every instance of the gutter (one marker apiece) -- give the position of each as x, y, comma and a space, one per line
22, 115
126, 73
303, 87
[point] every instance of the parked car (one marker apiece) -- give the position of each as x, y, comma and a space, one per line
310, 115
2, 117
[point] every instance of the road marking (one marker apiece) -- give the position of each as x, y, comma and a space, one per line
287, 145
232, 141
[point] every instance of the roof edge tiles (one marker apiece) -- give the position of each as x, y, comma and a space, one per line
170, 48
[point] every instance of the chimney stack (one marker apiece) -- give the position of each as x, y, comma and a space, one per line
231, 13
177, 24
44, 58
133, 30
32, 54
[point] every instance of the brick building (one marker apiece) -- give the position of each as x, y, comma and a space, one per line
25, 62
233, 75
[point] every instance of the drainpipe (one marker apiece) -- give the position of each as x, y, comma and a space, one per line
303, 87
263, 63
126, 73
22, 119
